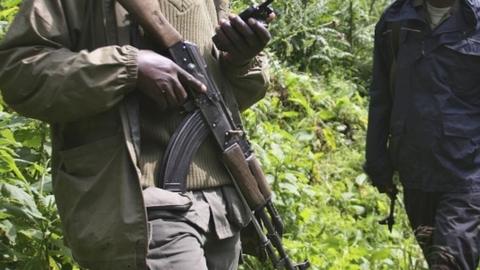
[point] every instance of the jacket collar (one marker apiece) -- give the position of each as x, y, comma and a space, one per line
460, 20
403, 10
465, 15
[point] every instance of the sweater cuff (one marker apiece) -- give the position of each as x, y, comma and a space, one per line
237, 70
131, 64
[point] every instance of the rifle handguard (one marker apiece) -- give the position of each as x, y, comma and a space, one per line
238, 167
257, 172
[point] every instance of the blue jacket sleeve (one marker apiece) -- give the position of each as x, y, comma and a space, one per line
378, 165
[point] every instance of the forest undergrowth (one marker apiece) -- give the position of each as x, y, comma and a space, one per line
308, 132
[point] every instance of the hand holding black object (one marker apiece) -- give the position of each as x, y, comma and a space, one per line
390, 220
240, 40
164, 81
387, 188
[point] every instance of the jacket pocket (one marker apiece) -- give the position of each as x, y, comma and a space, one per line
462, 125
89, 159
99, 201
458, 143
161, 199
462, 60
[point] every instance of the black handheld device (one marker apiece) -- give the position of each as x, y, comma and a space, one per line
260, 12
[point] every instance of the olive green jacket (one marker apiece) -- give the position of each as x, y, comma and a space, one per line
68, 62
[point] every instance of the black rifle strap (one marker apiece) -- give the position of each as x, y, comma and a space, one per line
394, 41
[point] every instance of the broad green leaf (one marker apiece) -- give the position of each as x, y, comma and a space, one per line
8, 229
22, 202
53, 265
8, 158
32, 234
329, 138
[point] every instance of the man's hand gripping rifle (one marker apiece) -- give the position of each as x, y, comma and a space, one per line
208, 114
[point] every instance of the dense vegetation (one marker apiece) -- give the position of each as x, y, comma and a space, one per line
308, 132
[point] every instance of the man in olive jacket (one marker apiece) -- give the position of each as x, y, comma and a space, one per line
112, 108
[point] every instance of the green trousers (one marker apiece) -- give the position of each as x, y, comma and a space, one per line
187, 240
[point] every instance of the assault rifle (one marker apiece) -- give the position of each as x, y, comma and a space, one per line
210, 115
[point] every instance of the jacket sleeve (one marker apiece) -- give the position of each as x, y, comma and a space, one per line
249, 82
378, 164
41, 78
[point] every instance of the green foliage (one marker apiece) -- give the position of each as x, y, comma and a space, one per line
30, 232
308, 132
325, 36
8, 9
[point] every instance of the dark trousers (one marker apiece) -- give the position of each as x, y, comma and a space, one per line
446, 226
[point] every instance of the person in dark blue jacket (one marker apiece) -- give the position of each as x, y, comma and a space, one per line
424, 123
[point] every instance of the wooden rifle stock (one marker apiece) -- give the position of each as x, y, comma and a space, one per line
237, 165
260, 178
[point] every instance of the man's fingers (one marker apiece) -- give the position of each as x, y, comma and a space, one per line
241, 40
235, 38
260, 30
271, 17
168, 93
180, 92
221, 41
247, 33
159, 99
188, 80
152, 91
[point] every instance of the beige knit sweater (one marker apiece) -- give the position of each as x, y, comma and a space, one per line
196, 21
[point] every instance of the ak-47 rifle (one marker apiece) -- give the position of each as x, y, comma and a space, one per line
208, 114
